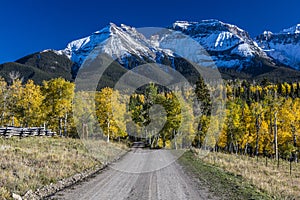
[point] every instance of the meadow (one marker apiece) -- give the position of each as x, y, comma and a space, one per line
33, 162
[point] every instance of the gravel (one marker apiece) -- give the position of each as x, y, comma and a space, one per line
140, 174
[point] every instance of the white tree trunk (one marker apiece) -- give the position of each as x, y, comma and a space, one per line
108, 124
275, 136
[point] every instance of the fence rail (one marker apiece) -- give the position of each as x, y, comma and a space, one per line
25, 132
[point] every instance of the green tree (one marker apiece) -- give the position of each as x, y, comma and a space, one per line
203, 96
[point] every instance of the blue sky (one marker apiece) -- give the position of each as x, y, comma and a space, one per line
28, 26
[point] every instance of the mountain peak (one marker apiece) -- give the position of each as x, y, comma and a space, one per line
292, 30
182, 24
267, 33
283, 46
208, 26
112, 24
211, 21
119, 42
106, 28
185, 24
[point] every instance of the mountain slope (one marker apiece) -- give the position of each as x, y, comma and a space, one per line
283, 47
228, 45
39, 66
26, 72
209, 43
51, 62
124, 44
218, 44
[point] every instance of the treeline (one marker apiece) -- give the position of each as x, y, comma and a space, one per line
158, 117
31, 105
262, 119
259, 119
162, 117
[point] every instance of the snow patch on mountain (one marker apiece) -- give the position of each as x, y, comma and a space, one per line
284, 46
207, 43
175, 43
243, 50
118, 42
60, 52
292, 30
223, 41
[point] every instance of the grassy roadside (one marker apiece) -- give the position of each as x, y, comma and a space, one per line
223, 184
30, 163
277, 180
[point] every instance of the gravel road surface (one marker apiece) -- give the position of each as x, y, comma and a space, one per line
140, 175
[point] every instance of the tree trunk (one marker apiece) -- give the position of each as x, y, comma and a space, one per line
295, 144
275, 137
246, 148
230, 147
65, 128
82, 130
60, 126
157, 140
257, 123
175, 141
150, 137
152, 142
13, 121
199, 141
108, 124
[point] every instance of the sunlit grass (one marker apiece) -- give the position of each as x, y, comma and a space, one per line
264, 174
31, 163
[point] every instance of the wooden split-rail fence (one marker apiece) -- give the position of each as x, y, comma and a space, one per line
11, 131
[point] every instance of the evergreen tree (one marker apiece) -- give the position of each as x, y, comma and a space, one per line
203, 96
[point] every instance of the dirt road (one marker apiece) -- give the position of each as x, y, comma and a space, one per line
141, 174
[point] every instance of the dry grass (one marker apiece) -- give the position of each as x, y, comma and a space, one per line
31, 163
275, 181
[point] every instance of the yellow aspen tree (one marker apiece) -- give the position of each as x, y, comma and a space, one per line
84, 114
30, 103
186, 131
15, 94
3, 101
110, 113
288, 126
57, 103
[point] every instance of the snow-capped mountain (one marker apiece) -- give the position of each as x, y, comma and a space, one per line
225, 44
210, 43
292, 30
118, 42
284, 47
228, 45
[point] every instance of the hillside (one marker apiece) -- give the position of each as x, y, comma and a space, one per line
39, 66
